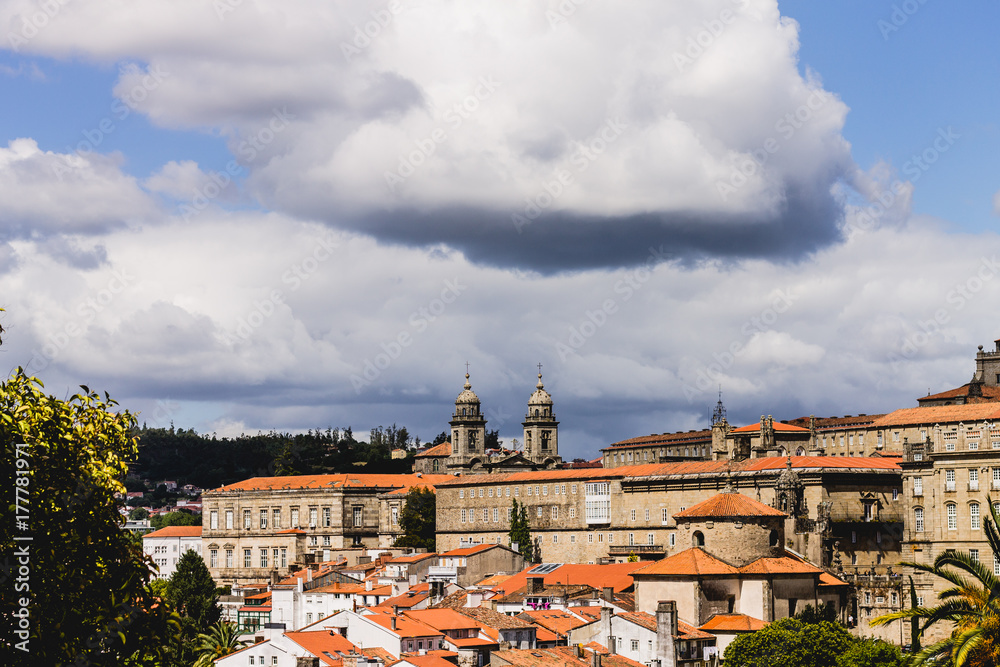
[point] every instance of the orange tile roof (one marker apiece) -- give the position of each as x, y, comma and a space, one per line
442, 619
608, 659
782, 565
990, 393
412, 558
425, 661
778, 426
729, 505
494, 619
616, 575
826, 423
444, 449
341, 480
469, 642
555, 620
545, 635
690, 562
732, 623
938, 414
688, 632
405, 627
827, 579
468, 551
318, 642
664, 438
495, 580
176, 531
291, 531
640, 618
380, 653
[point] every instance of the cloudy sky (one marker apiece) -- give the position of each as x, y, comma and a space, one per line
242, 215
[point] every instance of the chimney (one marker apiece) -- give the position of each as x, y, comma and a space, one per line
392, 622
606, 615
595, 659
368, 584
666, 630
309, 574
608, 593
536, 584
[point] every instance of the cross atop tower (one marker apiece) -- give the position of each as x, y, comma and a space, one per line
539, 368
466, 367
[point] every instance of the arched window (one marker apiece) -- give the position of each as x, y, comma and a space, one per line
800, 452
463, 412
698, 539
773, 538
783, 502
536, 412
437, 465
974, 516
918, 520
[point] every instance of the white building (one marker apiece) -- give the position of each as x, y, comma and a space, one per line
166, 545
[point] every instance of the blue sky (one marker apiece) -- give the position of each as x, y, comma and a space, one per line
577, 199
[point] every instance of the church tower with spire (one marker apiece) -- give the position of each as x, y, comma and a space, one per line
541, 430
468, 429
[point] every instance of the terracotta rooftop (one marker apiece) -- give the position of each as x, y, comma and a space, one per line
778, 426
729, 505
732, 623
444, 449
424, 661
665, 439
558, 621
690, 562
341, 480
443, 619
616, 575
176, 531
640, 618
412, 558
405, 627
468, 551
494, 619
782, 565
989, 393
320, 642
823, 423
688, 632
938, 414
455, 600
493, 581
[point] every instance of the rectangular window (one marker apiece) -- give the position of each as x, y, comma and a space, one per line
631, 539
213, 520
564, 489
326, 517
649, 539
555, 539
600, 537
894, 598
918, 486
358, 515
247, 519
295, 517
572, 511
463, 516
895, 494
461, 493
529, 490
673, 539
213, 558
949, 480
313, 517
545, 490
539, 511
481, 492
611, 537
952, 517
647, 515
509, 511
247, 558
276, 519
974, 516
263, 519
590, 538
263, 557
572, 539
506, 492
537, 492
918, 519
229, 519
664, 516
635, 644
555, 512
973, 480
284, 557
555, 489
632, 515
996, 564
496, 515
517, 492
974, 555
326, 540
229, 558
486, 515
573, 488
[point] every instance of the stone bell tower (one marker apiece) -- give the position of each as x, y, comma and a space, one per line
468, 429
541, 430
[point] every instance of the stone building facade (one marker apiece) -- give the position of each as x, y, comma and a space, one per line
264, 526
597, 515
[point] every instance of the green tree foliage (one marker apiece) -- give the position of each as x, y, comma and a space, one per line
441, 437
790, 643
85, 579
191, 591
811, 614
178, 518
492, 440
520, 532
971, 605
418, 519
138, 514
220, 640
871, 652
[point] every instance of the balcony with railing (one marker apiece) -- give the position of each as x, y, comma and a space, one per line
643, 551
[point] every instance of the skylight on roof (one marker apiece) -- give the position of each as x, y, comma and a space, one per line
544, 568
